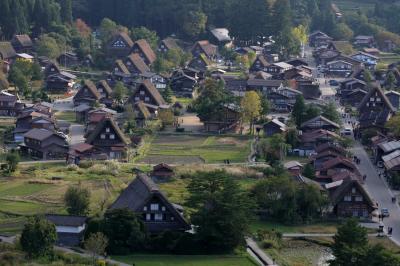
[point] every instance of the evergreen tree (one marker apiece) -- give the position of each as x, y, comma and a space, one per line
66, 11
299, 109
167, 94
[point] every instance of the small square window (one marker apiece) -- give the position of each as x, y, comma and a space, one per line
163, 208
158, 217
107, 130
112, 136
141, 92
148, 217
154, 207
145, 208
146, 99
103, 136
347, 198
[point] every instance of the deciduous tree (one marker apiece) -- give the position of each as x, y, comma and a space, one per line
77, 200
251, 108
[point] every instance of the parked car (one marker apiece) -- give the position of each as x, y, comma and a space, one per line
346, 132
385, 212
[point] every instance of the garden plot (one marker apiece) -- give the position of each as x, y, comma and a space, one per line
189, 149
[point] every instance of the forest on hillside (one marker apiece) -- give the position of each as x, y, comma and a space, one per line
247, 20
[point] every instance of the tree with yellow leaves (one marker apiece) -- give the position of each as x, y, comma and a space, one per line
251, 108
300, 34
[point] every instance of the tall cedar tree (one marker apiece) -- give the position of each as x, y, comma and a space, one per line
222, 210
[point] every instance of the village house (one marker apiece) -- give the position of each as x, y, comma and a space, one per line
143, 49
339, 68
294, 168
353, 98
283, 99
27, 120
394, 98
182, 84
144, 198
44, 144
25, 57
60, 82
135, 64
83, 151
68, 59
106, 93
260, 64
142, 114
375, 110
95, 116
206, 48
22, 43
162, 172
370, 61
70, 228
321, 157
168, 44
309, 88
87, 94
159, 81
220, 37
319, 122
349, 86
200, 62
223, 121
10, 105
120, 71
120, 45
274, 127
264, 86
319, 39
325, 172
276, 69
348, 198
108, 138
310, 140
385, 148
364, 41
149, 95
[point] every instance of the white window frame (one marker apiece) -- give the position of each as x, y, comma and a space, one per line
148, 217
112, 136
158, 217
103, 136
154, 207
347, 198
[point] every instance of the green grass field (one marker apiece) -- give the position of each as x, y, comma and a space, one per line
66, 116
194, 149
175, 260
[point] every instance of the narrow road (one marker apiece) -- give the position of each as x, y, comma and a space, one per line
379, 191
76, 133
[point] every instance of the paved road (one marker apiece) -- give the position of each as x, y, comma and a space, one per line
379, 190
76, 134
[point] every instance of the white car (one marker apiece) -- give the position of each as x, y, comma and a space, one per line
346, 132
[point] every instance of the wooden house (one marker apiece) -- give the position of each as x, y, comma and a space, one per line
318, 39
375, 109
60, 82
201, 63
83, 151
279, 68
274, 127
87, 94
264, 86
9, 104
260, 64
143, 197
44, 144
370, 61
120, 45
353, 98
149, 95
182, 84
226, 119
394, 98
220, 37
108, 138
339, 68
106, 93
142, 114
135, 64
364, 41
143, 49
348, 198
319, 122
310, 140
162, 171
68, 59
206, 48
294, 168
70, 228
168, 44
22, 43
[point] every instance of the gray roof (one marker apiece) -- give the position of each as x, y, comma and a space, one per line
221, 34
38, 134
66, 220
389, 146
264, 83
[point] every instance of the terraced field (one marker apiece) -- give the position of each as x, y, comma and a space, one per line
186, 149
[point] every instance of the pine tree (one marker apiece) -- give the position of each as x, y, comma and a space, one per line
167, 94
